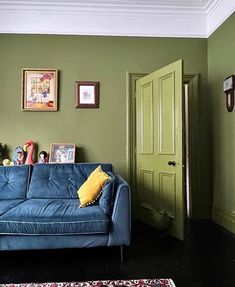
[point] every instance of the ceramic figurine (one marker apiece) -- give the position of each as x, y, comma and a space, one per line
7, 162
43, 157
29, 148
18, 156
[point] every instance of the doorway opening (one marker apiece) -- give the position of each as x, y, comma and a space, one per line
187, 153
191, 127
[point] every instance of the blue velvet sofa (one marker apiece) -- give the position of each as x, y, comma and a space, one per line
39, 208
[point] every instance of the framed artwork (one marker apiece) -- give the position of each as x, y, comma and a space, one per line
39, 90
62, 153
87, 94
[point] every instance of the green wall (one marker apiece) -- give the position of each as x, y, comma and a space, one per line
100, 134
221, 64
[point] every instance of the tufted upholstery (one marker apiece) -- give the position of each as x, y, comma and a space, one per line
107, 196
14, 181
54, 216
60, 180
39, 208
7, 204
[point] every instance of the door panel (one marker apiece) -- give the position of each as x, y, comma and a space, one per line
167, 190
147, 184
166, 112
146, 119
159, 145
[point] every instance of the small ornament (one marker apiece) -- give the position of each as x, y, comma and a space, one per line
18, 156
43, 157
7, 162
29, 148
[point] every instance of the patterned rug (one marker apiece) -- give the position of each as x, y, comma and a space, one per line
107, 283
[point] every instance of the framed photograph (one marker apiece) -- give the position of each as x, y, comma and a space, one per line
62, 153
39, 90
87, 94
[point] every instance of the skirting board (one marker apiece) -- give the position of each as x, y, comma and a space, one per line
224, 218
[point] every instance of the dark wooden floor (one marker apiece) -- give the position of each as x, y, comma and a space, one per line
206, 258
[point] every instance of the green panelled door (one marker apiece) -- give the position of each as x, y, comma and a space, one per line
159, 150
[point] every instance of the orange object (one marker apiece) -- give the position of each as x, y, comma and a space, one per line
29, 148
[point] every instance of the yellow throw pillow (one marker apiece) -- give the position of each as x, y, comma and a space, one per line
92, 187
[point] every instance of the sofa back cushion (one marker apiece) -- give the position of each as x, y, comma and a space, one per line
106, 199
14, 181
61, 180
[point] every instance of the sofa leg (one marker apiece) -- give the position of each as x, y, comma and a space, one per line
122, 253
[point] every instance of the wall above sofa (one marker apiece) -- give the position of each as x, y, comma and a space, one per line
99, 134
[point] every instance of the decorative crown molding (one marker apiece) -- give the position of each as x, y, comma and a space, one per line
218, 13
154, 18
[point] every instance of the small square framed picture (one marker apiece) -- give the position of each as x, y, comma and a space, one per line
62, 153
87, 94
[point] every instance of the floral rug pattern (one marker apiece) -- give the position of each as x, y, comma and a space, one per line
106, 283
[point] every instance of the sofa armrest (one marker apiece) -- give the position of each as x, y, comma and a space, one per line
120, 230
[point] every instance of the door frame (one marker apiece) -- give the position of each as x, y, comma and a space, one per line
193, 85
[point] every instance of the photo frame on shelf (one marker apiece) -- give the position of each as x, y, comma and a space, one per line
39, 90
62, 153
87, 94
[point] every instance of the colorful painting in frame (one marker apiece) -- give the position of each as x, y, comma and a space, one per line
39, 89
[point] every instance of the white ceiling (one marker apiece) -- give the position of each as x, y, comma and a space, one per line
156, 18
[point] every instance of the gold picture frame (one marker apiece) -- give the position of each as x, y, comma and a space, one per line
39, 90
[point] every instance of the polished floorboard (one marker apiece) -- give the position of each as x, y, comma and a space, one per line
205, 259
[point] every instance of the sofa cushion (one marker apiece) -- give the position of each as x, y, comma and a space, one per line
14, 181
91, 189
106, 199
53, 216
60, 180
7, 204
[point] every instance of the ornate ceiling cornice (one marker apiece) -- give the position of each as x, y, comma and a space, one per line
155, 18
